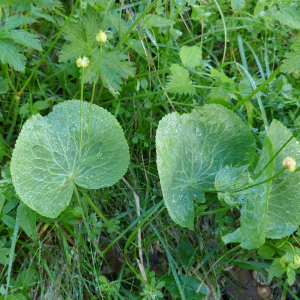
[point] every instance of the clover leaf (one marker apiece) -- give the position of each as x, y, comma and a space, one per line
191, 149
52, 154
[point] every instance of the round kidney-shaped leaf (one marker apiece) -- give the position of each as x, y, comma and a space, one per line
55, 152
191, 149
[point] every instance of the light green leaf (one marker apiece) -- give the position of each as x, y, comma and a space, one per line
193, 288
283, 209
192, 148
191, 56
291, 275
151, 20
220, 95
9, 221
37, 13
26, 278
22, 37
287, 15
179, 81
10, 54
27, 220
16, 21
82, 41
81, 38
24, 5
237, 4
266, 251
259, 7
220, 76
17, 296
114, 67
276, 269
10, 51
252, 232
291, 63
47, 159
270, 209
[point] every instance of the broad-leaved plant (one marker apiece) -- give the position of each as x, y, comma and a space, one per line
76, 144
212, 150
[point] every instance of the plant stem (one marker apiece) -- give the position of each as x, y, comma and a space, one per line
97, 73
93, 92
81, 108
83, 212
15, 117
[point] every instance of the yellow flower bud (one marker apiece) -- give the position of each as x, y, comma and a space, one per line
78, 62
289, 163
101, 37
82, 62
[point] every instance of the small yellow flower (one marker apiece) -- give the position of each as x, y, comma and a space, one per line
289, 163
101, 37
82, 62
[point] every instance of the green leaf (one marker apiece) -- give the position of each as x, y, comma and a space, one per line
287, 15
17, 296
3, 86
4, 253
192, 148
9, 50
220, 95
16, 21
25, 5
291, 275
179, 81
190, 285
266, 251
220, 76
37, 13
24, 38
276, 269
81, 38
252, 232
27, 220
200, 12
237, 4
10, 54
82, 41
270, 209
9, 221
10, 205
259, 7
190, 56
48, 157
291, 63
283, 209
40, 105
114, 67
26, 279
151, 20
